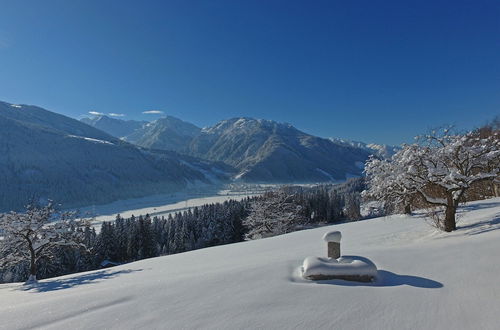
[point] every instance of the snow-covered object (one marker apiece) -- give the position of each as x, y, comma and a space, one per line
347, 268
332, 236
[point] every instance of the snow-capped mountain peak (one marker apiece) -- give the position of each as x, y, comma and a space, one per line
381, 150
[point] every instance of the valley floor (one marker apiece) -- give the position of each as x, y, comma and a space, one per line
162, 205
427, 280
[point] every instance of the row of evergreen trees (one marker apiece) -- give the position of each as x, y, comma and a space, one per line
134, 238
331, 203
294, 207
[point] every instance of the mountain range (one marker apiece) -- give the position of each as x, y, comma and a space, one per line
114, 127
260, 150
380, 150
44, 155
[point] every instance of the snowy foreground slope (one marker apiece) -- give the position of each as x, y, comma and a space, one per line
427, 280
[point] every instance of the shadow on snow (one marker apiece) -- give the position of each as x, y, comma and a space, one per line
67, 283
478, 206
481, 226
384, 279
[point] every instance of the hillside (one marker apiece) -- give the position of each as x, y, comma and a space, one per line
268, 151
168, 133
427, 280
44, 155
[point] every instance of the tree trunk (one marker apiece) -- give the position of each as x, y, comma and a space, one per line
449, 220
451, 209
33, 269
496, 190
407, 208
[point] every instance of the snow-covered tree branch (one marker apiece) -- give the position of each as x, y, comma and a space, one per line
33, 235
273, 214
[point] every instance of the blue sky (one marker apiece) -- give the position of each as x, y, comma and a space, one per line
375, 71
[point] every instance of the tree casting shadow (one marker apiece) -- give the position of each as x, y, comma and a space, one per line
479, 206
67, 283
482, 226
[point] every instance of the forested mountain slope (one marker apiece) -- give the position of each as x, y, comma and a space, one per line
265, 150
44, 155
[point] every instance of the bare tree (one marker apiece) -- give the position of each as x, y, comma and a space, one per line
492, 129
272, 214
35, 234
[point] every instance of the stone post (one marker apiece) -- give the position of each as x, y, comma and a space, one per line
333, 240
333, 250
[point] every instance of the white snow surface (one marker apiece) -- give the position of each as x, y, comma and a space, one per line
91, 139
426, 280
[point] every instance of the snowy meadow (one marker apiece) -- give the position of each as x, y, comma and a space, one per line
426, 279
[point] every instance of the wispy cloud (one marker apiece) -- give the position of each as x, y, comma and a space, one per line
95, 113
112, 114
153, 112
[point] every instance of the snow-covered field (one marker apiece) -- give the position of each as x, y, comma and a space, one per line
427, 280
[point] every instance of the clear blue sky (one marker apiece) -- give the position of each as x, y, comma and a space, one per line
376, 71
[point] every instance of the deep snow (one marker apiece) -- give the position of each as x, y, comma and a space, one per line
426, 280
